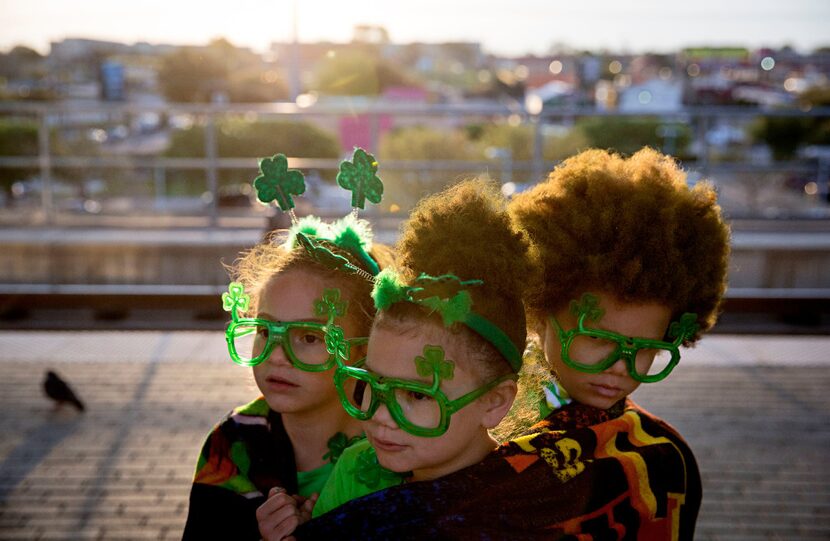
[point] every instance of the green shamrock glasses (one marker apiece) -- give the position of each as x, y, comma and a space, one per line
309, 346
418, 408
595, 350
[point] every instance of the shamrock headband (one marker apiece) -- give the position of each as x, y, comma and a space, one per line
344, 244
448, 295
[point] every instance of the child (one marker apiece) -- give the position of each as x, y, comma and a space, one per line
291, 436
651, 254
636, 266
443, 354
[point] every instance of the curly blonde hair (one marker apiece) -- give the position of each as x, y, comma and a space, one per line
631, 227
257, 266
467, 231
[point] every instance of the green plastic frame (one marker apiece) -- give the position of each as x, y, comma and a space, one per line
236, 301
627, 346
383, 392
277, 333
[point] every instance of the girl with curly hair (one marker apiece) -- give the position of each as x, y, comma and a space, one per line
284, 298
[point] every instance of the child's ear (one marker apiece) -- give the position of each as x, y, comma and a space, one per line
497, 403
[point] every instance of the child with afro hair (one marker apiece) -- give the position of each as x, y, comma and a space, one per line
634, 265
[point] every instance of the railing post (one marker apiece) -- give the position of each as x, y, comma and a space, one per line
507, 166
823, 179
703, 141
160, 184
210, 169
45, 164
538, 149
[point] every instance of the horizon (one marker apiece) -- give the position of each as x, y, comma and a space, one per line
534, 27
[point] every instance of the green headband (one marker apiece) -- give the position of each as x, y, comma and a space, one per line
447, 295
277, 184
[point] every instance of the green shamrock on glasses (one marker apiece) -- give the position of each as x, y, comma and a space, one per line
418, 408
593, 351
307, 344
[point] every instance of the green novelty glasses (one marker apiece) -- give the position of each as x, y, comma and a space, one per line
592, 350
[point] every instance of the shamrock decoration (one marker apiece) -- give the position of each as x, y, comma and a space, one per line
432, 362
336, 343
684, 329
445, 286
358, 176
235, 299
330, 305
337, 444
445, 294
588, 306
369, 471
321, 254
278, 183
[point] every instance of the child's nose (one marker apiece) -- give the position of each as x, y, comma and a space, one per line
619, 367
383, 417
278, 356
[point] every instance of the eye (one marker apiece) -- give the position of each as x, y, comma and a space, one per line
416, 396
310, 339
262, 332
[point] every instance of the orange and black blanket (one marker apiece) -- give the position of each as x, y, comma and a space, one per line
580, 474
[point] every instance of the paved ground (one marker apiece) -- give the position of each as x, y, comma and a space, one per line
756, 410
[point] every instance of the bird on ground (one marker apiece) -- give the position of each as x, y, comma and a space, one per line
59, 391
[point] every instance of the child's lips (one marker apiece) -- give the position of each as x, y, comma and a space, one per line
603, 389
387, 446
279, 383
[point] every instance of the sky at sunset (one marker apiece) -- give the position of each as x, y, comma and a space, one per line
506, 27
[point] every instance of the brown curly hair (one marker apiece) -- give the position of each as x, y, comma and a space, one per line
467, 231
255, 267
631, 227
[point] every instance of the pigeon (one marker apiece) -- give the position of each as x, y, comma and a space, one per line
59, 391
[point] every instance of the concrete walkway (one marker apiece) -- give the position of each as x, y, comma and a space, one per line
756, 411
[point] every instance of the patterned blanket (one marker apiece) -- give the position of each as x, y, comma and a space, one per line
245, 455
581, 474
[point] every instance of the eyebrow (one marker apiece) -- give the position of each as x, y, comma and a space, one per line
417, 378
269, 317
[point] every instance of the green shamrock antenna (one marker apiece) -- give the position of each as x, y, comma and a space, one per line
359, 177
278, 183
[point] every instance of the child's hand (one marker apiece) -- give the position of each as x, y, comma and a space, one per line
281, 513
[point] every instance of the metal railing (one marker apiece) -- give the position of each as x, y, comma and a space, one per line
51, 114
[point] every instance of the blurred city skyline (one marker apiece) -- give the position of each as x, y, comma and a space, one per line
526, 27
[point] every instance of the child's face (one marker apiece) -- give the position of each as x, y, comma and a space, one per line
393, 355
290, 297
606, 388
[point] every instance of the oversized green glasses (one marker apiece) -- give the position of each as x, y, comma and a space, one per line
595, 350
251, 341
418, 408
309, 345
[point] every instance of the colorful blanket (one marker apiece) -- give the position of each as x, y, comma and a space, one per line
581, 474
245, 455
